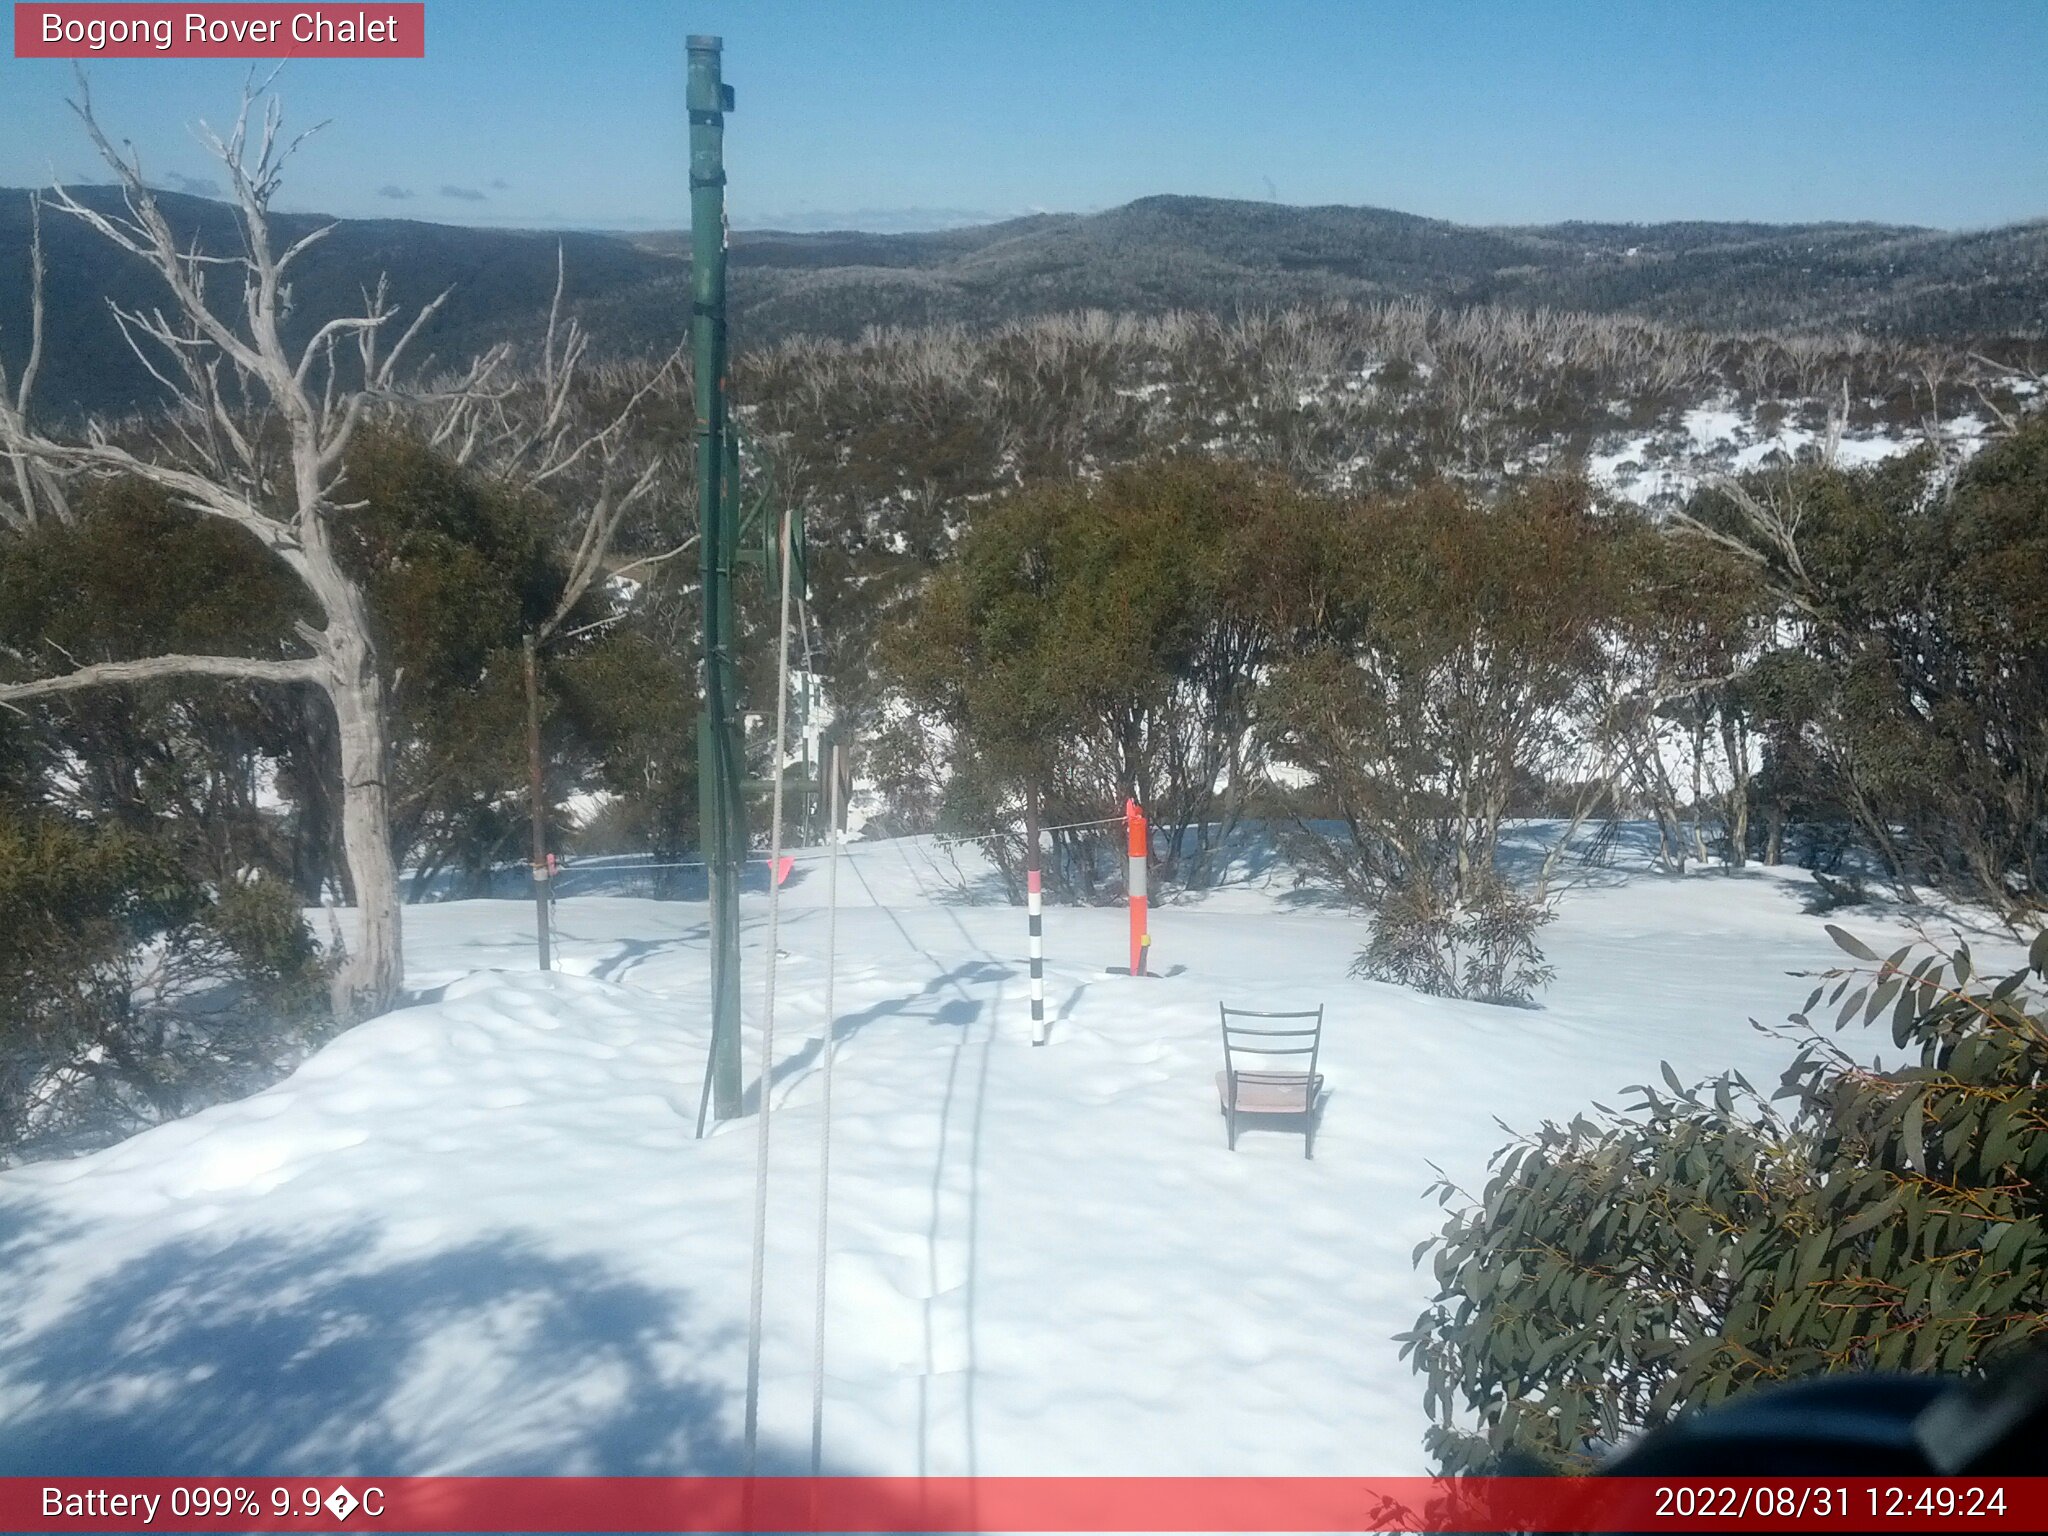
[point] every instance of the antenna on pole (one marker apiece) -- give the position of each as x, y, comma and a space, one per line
721, 812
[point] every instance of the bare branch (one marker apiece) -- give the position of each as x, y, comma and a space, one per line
650, 560
148, 234
111, 673
1771, 542
599, 527
194, 491
324, 338
35, 320
293, 251
387, 370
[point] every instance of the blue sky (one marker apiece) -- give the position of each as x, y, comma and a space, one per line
914, 113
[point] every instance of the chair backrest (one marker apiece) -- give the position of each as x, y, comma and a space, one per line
1276, 1042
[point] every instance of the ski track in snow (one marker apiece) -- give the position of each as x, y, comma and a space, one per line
477, 1235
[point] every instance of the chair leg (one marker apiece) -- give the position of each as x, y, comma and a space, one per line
1230, 1115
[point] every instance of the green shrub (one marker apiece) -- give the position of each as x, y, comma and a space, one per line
131, 993
1483, 947
1619, 1271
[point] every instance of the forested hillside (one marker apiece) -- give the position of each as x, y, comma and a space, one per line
1152, 256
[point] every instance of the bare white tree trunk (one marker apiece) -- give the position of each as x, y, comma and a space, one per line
370, 978
36, 490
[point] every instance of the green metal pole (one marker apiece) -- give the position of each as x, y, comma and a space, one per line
720, 812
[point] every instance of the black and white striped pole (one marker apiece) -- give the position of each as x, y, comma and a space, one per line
1034, 901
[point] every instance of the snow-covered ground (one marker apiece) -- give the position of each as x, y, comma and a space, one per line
1658, 469
477, 1235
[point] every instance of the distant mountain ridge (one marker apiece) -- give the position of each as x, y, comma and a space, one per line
1155, 254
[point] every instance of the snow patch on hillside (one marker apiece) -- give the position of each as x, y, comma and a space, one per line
1658, 469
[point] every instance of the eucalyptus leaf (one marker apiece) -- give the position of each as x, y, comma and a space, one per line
1856, 1226
1911, 1136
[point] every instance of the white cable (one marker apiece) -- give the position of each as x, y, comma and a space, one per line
825, 1137
767, 1082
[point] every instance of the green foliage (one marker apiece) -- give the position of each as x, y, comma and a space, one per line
1620, 1270
453, 569
133, 576
1175, 626
1454, 643
456, 569
635, 707
1483, 947
1101, 639
130, 992
156, 957
459, 570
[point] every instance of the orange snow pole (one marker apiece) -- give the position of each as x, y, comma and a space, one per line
1141, 932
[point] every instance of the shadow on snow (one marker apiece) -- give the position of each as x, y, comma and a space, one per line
279, 1355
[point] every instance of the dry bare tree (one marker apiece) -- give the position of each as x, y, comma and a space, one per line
36, 492
2033, 380
542, 432
256, 435
544, 429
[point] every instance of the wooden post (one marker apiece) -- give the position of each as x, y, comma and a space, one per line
537, 799
1033, 899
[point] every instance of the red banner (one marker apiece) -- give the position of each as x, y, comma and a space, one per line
214, 31
976, 1504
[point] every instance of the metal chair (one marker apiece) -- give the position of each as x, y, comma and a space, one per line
1261, 1090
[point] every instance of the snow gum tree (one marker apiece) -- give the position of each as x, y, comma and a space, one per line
1679, 702
132, 992
1910, 678
256, 435
1457, 661
1106, 639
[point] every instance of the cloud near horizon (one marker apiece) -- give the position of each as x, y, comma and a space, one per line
466, 194
396, 193
193, 186
873, 220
